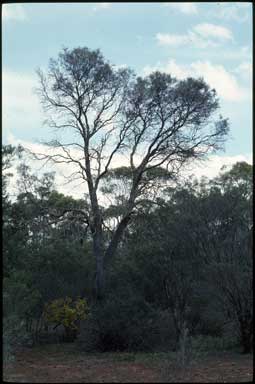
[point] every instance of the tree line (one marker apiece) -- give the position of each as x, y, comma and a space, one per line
184, 263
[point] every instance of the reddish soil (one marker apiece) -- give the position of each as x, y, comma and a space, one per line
63, 364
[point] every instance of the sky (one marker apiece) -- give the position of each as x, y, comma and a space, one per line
209, 40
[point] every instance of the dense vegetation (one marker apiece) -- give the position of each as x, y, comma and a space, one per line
183, 270
146, 260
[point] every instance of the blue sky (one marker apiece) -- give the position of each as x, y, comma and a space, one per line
212, 40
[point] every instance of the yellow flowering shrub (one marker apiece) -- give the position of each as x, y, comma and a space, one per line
67, 312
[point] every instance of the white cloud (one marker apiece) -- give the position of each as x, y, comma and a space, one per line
201, 36
209, 168
14, 12
187, 8
100, 6
244, 70
245, 73
62, 171
171, 39
211, 30
20, 105
190, 38
225, 82
232, 11
170, 67
219, 78
241, 53
18, 89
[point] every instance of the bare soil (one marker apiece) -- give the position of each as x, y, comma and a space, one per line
63, 363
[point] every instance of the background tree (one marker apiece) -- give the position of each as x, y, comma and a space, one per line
225, 239
155, 121
185, 260
163, 242
43, 254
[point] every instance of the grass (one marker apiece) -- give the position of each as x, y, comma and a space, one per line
66, 363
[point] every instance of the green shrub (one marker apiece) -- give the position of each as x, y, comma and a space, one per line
212, 344
120, 324
14, 335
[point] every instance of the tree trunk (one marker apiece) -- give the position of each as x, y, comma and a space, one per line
70, 335
99, 255
112, 248
103, 256
97, 236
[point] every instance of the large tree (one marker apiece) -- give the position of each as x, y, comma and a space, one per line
103, 112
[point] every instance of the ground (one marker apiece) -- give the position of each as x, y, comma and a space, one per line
63, 363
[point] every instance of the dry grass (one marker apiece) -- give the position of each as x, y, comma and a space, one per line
62, 363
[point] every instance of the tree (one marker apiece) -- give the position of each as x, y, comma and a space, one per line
165, 241
43, 256
234, 269
155, 121
224, 239
8, 153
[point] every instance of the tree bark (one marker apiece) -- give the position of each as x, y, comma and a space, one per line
99, 255
112, 248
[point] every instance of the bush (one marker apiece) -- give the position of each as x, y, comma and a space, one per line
212, 344
67, 313
14, 335
120, 325
211, 322
18, 301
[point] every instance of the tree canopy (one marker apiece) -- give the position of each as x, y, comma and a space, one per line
101, 112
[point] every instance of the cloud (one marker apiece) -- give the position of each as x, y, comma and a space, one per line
170, 67
14, 12
187, 8
172, 39
201, 36
20, 106
212, 30
18, 89
101, 6
244, 70
190, 38
225, 82
241, 53
232, 11
209, 168
62, 171
220, 79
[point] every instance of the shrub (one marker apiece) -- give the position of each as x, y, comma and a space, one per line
209, 343
68, 313
120, 324
14, 335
